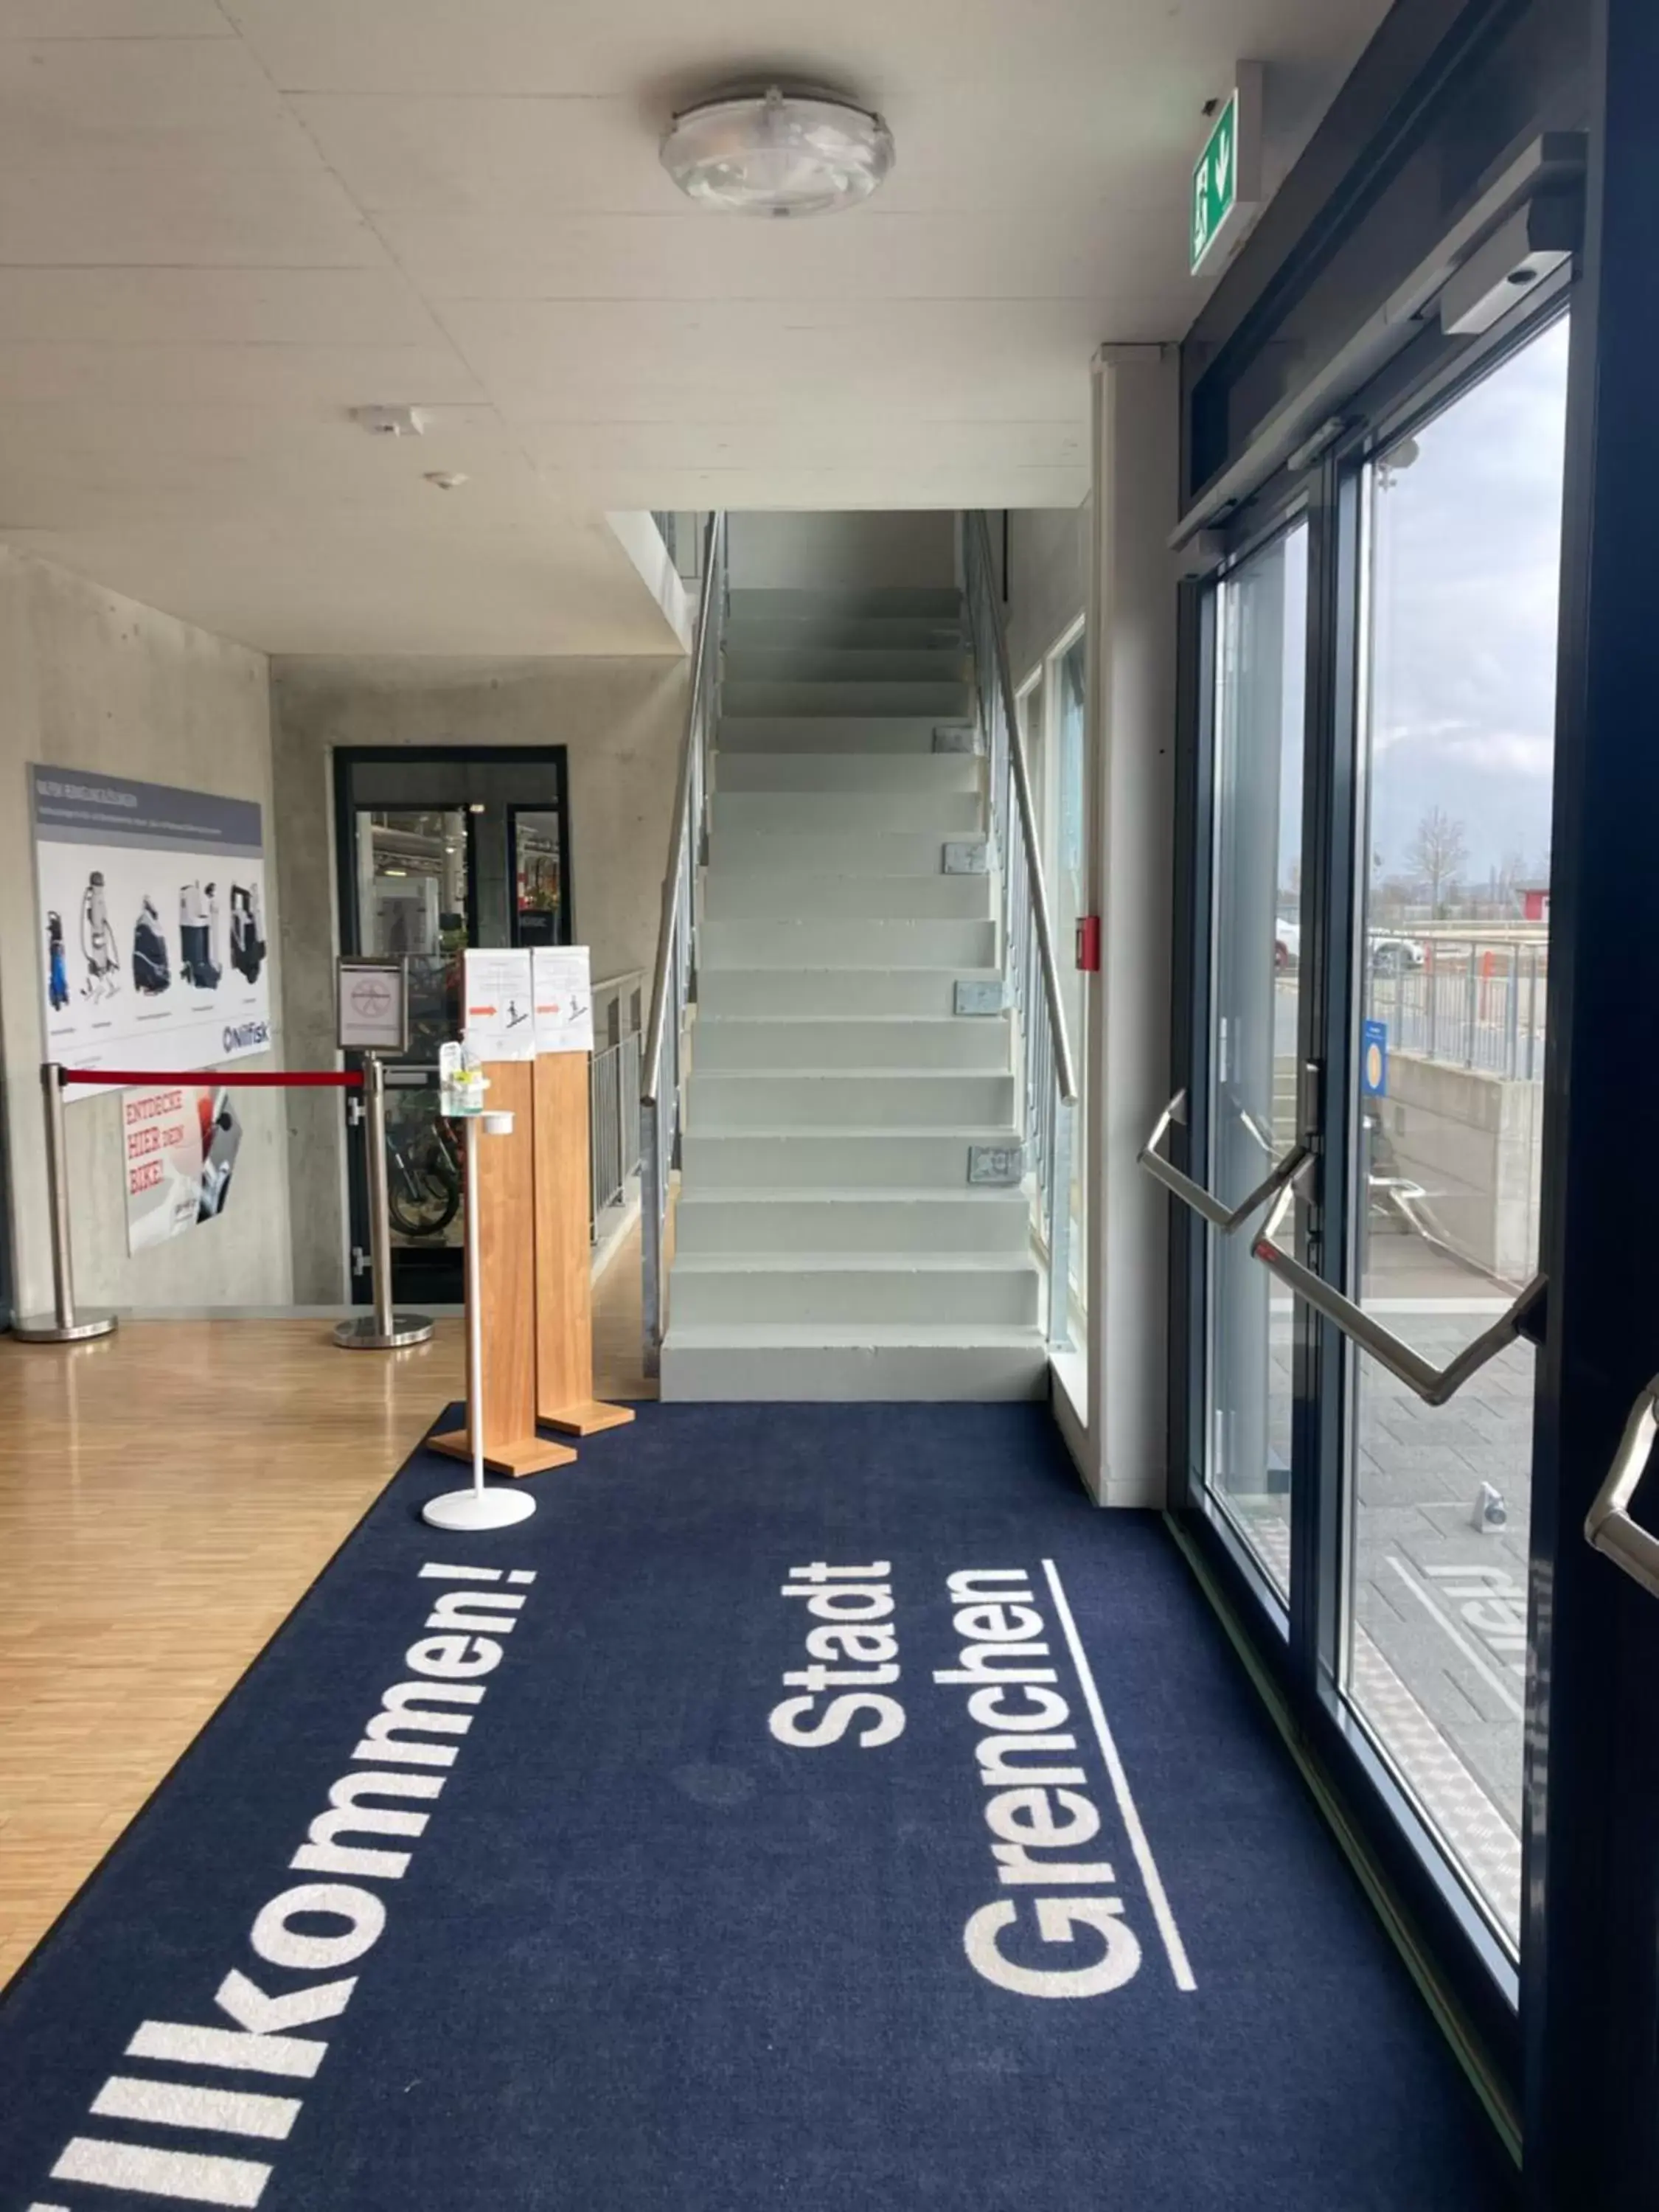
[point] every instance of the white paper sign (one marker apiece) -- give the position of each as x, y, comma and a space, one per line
564, 998
498, 1017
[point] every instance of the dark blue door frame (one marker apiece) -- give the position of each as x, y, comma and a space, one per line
1576, 2060
1590, 1993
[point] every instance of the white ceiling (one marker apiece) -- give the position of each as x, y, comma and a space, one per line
225, 223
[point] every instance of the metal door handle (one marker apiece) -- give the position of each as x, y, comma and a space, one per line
1279, 1177
1607, 1525
1433, 1385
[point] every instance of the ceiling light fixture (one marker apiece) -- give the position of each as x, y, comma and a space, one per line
777, 153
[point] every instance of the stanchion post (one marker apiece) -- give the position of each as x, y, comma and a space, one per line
478, 1507
64, 1325
384, 1330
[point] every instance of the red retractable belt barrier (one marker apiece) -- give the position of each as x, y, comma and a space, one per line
333, 1078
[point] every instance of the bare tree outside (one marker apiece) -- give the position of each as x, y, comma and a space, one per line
1438, 853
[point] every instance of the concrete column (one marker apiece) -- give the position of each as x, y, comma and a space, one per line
1132, 688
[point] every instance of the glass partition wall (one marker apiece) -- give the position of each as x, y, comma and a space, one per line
1367, 784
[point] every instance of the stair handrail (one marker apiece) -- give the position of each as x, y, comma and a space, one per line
674, 977
1027, 947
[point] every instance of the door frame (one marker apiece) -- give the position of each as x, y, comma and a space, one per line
1294, 1648
444, 1288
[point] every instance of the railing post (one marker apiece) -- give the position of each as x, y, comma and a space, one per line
383, 1329
63, 1325
651, 1237
1470, 1001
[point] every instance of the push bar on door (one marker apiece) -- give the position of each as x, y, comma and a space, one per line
1433, 1385
1279, 1177
1607, 1525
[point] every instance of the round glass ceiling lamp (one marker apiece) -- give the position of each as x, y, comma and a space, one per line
777, 153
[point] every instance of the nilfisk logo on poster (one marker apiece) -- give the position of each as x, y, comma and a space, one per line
1064, 1932
243, 1036
311, 1929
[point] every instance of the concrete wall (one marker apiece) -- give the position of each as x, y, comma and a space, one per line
91, 680
1047, 579
1474, 1143
838, 551
621, 722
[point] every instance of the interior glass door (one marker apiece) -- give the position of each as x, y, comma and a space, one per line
1447, 1063
442, 850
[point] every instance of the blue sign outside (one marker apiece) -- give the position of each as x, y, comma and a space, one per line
1374, 1060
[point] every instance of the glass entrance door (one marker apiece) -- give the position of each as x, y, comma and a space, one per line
1446, 1051
441, 850
1370, 781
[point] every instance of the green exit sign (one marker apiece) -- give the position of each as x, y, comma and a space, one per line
1227, 175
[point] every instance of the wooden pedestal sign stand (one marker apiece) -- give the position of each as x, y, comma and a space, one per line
506, 1198
564, 1284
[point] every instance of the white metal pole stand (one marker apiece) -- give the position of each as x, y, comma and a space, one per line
65, 1324
478, 1507
382, 1330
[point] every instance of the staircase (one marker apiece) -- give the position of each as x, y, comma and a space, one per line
828, 1242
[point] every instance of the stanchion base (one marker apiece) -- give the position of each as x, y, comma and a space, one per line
529, 1456
478, 1508
46, 1328
587, 1418
362, 1334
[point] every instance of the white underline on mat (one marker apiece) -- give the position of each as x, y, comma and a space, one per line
1126, 1804
1495, 1681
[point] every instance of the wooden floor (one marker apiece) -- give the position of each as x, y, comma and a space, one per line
167, 1496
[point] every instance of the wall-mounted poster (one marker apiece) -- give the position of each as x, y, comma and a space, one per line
152, 920
178, 1145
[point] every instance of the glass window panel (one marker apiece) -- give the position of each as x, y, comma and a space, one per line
1254, 1001
1466, 521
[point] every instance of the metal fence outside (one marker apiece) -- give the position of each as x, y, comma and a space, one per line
1474, 1003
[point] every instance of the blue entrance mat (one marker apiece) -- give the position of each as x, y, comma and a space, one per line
811, 1807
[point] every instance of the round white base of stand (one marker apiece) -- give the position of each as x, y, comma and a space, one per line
363, 1335
478, 1508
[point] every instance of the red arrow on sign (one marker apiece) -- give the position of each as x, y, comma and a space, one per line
481, 1010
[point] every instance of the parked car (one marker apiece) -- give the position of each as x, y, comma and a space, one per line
1287, 943
1392, 956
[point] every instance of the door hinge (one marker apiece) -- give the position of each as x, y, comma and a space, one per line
360, 1262
356, 1112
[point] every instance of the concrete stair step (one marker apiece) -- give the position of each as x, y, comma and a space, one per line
747, 852
820, 1221
846, 663
779, 1363
853, 1041
921, 993
833, 630
888, 1099
824, 943
806, 898
938, 775
820, 1158
805, 603
830, 733
956, 812
949, 699
841, 1288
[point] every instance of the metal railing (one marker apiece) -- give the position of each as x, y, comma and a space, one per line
673, 983
1048, 1084
1474, 1003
